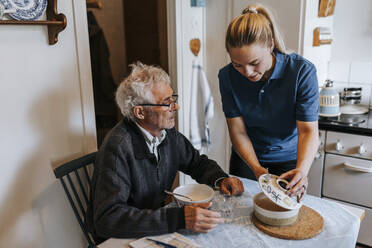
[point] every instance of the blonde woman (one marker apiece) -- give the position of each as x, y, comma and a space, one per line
270, 101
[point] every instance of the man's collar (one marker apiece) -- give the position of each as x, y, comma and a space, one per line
149, 137
140, 148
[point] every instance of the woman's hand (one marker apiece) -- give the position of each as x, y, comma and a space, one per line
259, 170
297, 185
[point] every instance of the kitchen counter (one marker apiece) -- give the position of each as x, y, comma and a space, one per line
333, 124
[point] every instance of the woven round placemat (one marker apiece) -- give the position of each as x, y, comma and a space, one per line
309, 224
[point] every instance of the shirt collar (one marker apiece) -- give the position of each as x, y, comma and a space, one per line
280, 63
150, 138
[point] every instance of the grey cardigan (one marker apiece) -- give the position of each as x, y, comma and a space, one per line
127, 194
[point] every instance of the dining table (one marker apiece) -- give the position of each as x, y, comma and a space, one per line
341, 225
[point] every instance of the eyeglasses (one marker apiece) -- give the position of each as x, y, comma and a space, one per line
170, 105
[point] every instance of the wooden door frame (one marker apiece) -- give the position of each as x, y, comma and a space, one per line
85, 74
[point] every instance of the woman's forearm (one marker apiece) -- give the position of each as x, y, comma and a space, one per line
307, 146
243, 146
242, 143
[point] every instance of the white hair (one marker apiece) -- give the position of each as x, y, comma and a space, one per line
136, 88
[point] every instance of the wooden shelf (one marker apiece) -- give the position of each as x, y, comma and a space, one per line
56, 22
319, 34
12, 22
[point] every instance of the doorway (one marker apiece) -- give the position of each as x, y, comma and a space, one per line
122, 32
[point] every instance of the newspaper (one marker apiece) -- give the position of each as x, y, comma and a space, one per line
175, 239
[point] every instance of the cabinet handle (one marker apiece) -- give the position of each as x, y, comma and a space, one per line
339, 146
358, 168
362, 149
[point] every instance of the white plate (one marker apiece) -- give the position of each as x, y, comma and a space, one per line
351, 109
269, 185
330, 115
26, 9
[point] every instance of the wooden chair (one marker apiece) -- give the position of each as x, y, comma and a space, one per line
76, 180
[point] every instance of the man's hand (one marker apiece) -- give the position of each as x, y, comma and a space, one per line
199, 219
298, 184
231, 186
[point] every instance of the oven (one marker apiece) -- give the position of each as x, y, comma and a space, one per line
342, 171
347, 175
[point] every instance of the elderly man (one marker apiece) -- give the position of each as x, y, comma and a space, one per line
139, 159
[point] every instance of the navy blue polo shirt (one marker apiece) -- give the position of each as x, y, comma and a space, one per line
270, 109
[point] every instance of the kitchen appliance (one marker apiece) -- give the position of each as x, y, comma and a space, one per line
342, 169
329, 100
351, 99
347, 175
345, 119
352, 95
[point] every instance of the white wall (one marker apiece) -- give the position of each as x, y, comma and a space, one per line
351, 58
352, 31
47, 117
319, 55
288, 28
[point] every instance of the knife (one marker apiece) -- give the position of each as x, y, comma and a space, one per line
162, 243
